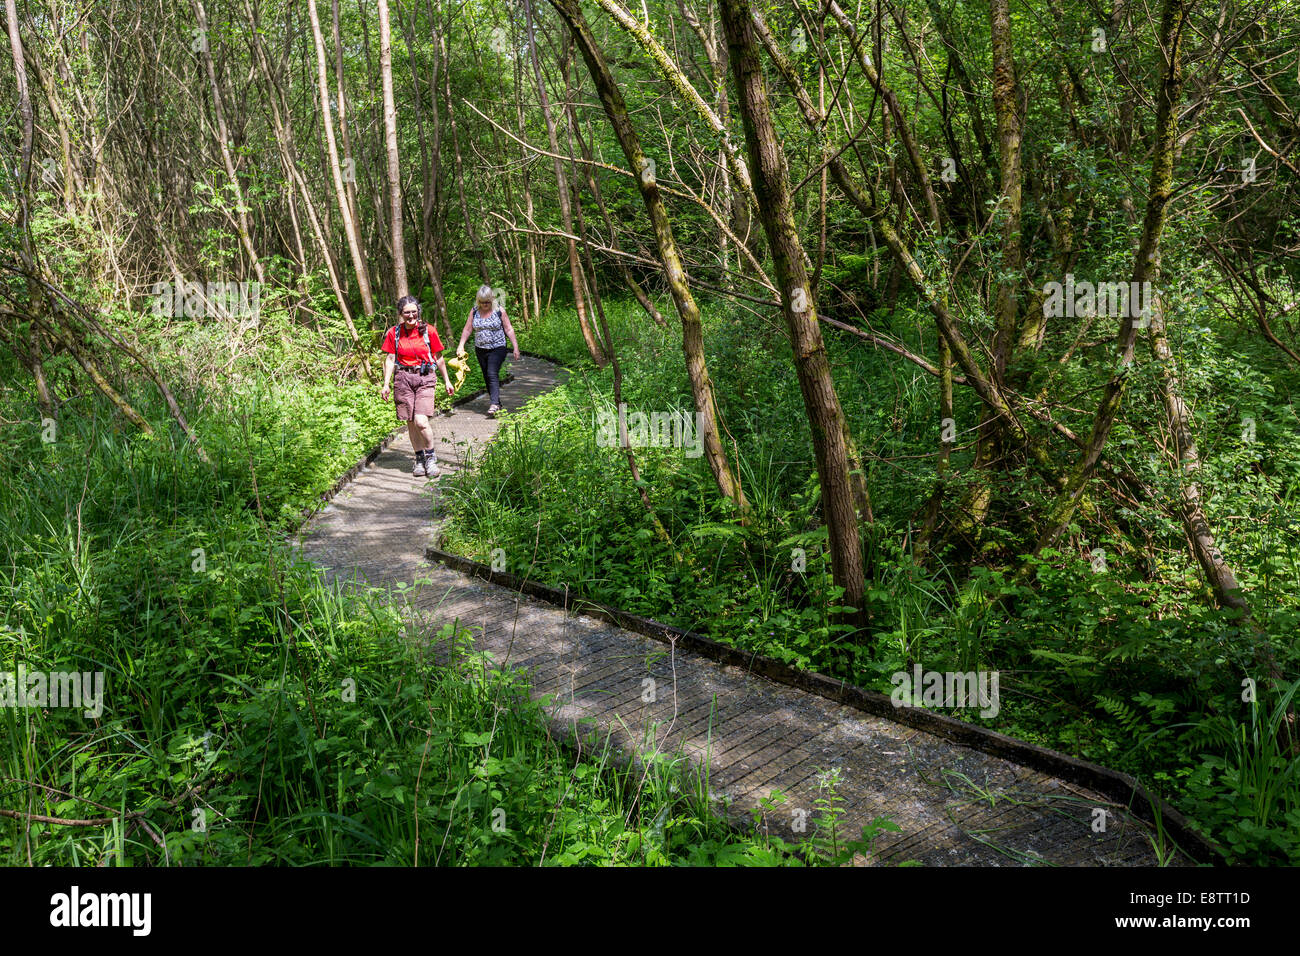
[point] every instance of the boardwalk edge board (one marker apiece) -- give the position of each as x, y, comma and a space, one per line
1120, 787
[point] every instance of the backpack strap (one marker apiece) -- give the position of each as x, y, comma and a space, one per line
424, 333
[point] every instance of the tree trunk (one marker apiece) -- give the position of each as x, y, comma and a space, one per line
430, 222
844, 498
734, 201
562, 187
1146, 268
1005, 89
345, 133
340, 194
891, 101
471, 228
575, 135
692, 332
283, 133
101, 383
394, 158
223, 141
27, 252
671, 72
532, 289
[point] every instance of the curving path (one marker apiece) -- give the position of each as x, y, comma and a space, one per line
955, 805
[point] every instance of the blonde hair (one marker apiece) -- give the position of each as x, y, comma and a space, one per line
485, 295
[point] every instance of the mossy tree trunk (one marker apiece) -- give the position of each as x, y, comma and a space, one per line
611, 99
843, 488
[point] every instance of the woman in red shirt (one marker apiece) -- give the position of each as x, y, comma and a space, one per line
413, 356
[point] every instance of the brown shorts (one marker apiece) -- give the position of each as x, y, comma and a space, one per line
414, 394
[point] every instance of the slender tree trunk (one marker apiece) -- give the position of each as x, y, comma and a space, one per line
660, 531
345, 208
575, 135
902, 128
1188, 460
283, 133
1146, 268
431, 163
1123, 82
734, 201
511, 254
27, 252
844, 499
671, 72
1005, 96
394, 157
374, 227
562, 188
611, 99
471, 228
973, 102
532, 291
71, 176
97, 378
223, 141
345, 133
32, 359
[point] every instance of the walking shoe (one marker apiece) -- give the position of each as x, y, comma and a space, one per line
420, 469
431, 467
492, 410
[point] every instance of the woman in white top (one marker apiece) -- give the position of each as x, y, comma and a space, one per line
491, 328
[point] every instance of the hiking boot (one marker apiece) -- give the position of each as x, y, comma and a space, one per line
431, 467
420, 469
492, 410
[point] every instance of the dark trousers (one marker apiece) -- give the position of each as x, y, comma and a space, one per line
489, 363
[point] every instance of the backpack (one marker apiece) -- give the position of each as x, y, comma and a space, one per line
424, 332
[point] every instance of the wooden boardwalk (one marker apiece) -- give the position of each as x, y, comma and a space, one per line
954, 805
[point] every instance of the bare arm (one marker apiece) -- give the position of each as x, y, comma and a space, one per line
464, 333
510, 331
442, 367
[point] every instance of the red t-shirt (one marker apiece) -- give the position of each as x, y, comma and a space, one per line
410, 350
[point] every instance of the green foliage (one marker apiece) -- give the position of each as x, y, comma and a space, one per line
1130, 665
1249, 791
253, 714
1117, 665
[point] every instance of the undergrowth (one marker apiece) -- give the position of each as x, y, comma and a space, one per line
1112, 653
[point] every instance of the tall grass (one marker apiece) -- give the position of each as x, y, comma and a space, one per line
254, 714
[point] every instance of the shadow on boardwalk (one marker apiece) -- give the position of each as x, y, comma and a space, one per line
954, 805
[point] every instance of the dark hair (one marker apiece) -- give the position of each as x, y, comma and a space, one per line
406, 300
